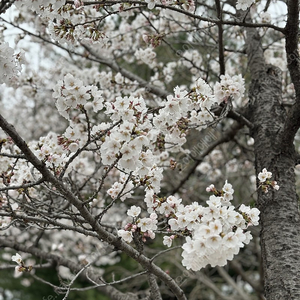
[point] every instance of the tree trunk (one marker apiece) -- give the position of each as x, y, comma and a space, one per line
273, 133
280, 240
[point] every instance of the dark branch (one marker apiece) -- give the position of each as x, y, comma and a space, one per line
220, 38
292, 38
227, 136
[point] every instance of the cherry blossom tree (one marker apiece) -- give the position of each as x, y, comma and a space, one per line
158, 132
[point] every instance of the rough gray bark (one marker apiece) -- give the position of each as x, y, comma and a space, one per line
280, 238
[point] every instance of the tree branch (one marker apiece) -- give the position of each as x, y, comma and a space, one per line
293, 62
5, 4
254, 50
184, 12
220, 38
102, 233
226, 137
154, 288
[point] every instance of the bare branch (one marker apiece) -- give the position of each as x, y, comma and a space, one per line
226, 137
23, 186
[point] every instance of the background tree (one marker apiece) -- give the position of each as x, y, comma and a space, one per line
124, 113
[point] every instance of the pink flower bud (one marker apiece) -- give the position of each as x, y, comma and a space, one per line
146, 38
77, 3
127, 226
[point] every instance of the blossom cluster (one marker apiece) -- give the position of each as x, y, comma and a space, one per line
135, 144
138, 137
142, 226
265, 17
129, 140
10, 63
219, 231
48, 150
10, 175
152, 3
154, 39
131, 145
264, 181
66, 22
20, 268
71, 93
202, 100
186, 109
214, 233
35, 5
244, 4
229, 86
147, 56
121, 187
